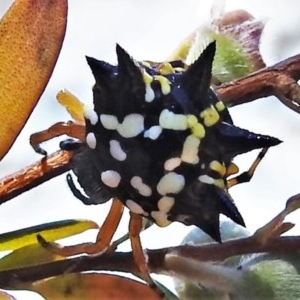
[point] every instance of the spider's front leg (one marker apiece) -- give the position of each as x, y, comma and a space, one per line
103, 240
69, 128
74, 129
77, 130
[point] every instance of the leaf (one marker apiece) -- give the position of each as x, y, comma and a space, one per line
73, 105
253, 278
5, 296
31, 36
238, 37
27, 256
182, 50
169, 295
93, 286
50, 231
237, 34
257, 276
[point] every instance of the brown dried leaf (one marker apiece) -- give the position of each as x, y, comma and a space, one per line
31, 36
93, 286
5, 296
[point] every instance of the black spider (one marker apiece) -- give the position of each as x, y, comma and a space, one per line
161, 141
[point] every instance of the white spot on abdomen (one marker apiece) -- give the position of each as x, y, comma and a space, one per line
90, 114
165, 204
190, 150
142, 188
91, 140
109, 121
153, 132
170, 183
116, 150
149, 94
206, 179
172, 163
134, 207
169, 120
131, 126
111, 178
160, 218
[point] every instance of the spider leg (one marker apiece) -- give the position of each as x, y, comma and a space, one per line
103, 239
247, 175
69, 128
135, 228
76, 192
70, 145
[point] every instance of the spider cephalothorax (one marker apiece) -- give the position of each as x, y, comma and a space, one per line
160, 140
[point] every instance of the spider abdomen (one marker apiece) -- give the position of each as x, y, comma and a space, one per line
160, 140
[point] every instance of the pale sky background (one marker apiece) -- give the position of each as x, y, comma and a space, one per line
151, 30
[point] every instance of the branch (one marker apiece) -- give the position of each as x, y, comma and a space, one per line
279, 80
124, 262
34, 175
265, 240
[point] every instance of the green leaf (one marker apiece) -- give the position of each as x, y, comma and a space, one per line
27, 256
238, 36
258, 276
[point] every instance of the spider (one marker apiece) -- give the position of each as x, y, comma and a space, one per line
159, 141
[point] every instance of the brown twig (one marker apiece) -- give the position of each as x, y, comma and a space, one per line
265, 240
124, 262
34, 175
279, 80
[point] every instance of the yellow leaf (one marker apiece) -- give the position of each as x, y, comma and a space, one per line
183, 49
93, 286
50, 231
31, 35
27, 256
73, 105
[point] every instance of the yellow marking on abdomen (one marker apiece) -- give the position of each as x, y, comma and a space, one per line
210, 116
